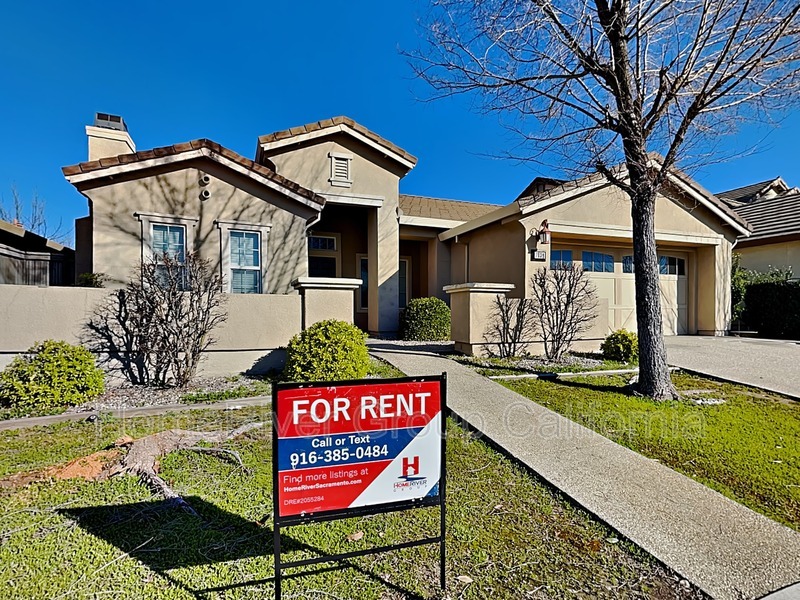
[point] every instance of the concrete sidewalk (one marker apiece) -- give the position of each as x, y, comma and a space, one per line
727, 550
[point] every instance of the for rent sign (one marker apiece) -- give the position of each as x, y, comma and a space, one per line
353, 445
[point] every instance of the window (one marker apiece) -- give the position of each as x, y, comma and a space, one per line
404, 282
243, 256
245, 262
169, 241
597, 262
671, 265
340, 169
322, 242
363, 291
560, 258
627, 264
323, 255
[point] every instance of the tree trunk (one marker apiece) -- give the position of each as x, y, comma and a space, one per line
654, 376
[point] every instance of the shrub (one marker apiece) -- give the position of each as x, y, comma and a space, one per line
564, 304
742, 279
91, 280
52, 374
426, 319
621, 345
327, 351
155, 330
773, 309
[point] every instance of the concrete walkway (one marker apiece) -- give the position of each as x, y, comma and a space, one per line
724, 548
769, 364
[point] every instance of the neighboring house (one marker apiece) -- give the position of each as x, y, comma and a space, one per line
772, 209
323, 201
27, 258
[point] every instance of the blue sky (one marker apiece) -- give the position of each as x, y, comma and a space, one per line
233, 71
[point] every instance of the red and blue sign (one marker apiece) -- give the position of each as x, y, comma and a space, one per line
351, 445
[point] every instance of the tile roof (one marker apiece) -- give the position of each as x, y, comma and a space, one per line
744, 193
441, 208
771, 217
334, 122
200, 144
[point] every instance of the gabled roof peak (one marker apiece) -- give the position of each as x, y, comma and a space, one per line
341, 124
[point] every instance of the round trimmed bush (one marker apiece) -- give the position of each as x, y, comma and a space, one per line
51, 374
622, 346
426, 319
327, 351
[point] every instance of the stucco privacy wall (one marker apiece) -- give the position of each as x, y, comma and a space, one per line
474, 320
374, 177
257, 326
118, 233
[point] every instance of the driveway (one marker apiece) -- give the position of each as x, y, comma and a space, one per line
770, 364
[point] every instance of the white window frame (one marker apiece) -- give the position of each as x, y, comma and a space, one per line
338, 157
149, 219
225, 227
335, 254
364, 283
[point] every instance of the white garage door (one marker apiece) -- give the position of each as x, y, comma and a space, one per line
611, 271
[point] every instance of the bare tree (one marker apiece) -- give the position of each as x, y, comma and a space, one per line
511, 326
612, 83
564, 304
155, 330
33, 218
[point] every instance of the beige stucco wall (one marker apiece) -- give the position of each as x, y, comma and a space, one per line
496, 253
117, 233
374, 177
321, 305
610, 207
778, 256
250, 340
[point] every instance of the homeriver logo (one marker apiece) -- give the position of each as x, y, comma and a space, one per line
410, 478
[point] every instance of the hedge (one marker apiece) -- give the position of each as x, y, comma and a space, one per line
773, 309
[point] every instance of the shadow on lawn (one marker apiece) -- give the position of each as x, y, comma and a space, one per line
165, 537
595, 387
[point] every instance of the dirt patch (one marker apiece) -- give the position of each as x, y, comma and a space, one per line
90, 468
93, 467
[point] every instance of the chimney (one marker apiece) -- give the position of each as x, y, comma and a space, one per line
108, 136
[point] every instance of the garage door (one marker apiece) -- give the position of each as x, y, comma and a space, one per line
611, 271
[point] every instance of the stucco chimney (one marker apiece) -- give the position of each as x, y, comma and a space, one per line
108, 137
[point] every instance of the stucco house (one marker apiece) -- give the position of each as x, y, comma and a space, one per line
772, 208
322, 203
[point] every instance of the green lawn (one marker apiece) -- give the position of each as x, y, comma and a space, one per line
516, 366
747, 448
512, 535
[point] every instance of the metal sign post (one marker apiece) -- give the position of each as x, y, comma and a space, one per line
355, 448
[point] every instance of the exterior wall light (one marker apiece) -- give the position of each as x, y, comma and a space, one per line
543, 235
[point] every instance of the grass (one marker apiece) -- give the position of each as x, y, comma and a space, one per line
511, 366
254, 387
508, 532
746, 448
